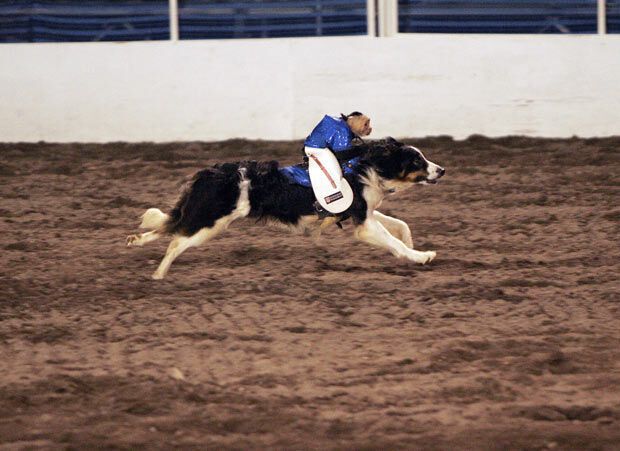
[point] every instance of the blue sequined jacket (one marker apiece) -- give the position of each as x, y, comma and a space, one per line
332, 133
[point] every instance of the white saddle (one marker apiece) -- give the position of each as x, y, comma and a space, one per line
332, 191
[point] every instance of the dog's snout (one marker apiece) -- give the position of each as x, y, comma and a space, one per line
441, 172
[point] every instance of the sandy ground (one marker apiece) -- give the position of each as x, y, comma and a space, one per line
262, 339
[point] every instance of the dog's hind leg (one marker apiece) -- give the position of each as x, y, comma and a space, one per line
327, 222
396, 227
142, 238
180, 243
375, 234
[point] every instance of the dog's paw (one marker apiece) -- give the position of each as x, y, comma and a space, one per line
157, 276
134, 240
431, 255
424, 257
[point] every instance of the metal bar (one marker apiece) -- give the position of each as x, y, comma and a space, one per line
381, 18
174, 20
388, 17
371, 27
393, 17
602, 16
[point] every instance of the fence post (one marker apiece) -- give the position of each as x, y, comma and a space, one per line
602, 16
388, 17
173, 11
371, 18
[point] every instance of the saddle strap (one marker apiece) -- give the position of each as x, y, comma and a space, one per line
320, 165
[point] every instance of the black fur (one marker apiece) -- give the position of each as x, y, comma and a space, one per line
213, 192
273, 196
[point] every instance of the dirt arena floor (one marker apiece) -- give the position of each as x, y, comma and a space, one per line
264, 340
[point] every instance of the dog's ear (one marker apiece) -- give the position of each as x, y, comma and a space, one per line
228, 168
273, 166
393, 142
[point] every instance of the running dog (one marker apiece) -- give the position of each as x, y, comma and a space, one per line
219, 195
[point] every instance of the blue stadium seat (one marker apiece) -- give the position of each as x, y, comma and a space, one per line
200, 19
128, 20
613, 16
497, 16
94, 20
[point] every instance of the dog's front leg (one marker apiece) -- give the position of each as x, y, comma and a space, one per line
396, 227
375, 234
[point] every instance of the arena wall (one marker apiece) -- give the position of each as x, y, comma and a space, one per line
411, 85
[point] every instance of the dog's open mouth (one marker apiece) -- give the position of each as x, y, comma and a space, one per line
424, 180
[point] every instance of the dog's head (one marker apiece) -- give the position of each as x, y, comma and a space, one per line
401, 165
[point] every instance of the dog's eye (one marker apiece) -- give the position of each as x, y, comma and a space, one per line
416, 161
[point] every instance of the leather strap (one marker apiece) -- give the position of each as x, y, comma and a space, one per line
329, 177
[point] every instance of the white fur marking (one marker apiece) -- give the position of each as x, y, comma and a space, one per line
397, 228
433, 169
374, 191
375, 234
153, 218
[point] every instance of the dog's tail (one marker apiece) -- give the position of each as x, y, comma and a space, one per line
154, 219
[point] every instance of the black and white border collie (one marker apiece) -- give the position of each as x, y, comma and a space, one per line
219, 195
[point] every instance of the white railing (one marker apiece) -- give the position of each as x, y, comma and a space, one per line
371, 17
387, 15
602, 16
174, 20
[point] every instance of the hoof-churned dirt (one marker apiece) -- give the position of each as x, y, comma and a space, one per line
509, 339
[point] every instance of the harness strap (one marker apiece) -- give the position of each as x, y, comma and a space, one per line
329, 177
